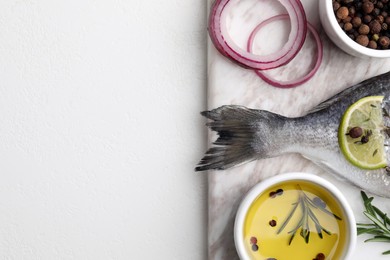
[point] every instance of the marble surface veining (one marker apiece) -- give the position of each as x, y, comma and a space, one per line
231, 84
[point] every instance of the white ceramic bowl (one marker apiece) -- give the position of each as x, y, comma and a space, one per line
340, 38
287, 177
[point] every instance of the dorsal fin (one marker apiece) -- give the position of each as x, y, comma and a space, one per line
355, 92
329, 102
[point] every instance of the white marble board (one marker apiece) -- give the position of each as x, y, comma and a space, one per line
231, 84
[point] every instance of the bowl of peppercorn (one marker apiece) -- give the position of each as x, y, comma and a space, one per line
294, 216
358, 27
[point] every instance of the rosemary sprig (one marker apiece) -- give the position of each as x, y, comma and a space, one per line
379, 226
307, 205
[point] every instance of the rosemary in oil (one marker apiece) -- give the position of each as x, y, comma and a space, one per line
306, 205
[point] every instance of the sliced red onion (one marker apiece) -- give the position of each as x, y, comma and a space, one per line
225, 45
295, 82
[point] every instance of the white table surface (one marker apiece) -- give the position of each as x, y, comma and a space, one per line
100, 129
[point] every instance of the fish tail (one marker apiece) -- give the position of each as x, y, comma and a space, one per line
243, 135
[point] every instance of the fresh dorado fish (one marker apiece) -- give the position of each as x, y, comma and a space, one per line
247, 134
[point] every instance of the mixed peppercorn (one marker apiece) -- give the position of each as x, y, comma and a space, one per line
365, 21
357, 132
253, 242
278, 192
272, 223
273, 194
320, 256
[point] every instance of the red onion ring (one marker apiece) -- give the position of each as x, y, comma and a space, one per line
291, 83
224, 44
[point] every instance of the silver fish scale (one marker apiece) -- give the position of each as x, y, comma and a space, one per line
249, 134
317, 137
318, 142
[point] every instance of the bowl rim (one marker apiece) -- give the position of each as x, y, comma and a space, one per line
253, 193
348, 41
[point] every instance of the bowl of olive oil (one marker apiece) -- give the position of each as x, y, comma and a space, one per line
294, 216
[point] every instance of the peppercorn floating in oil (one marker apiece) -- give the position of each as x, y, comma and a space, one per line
320, 256
272, 223
365, 21
253, 242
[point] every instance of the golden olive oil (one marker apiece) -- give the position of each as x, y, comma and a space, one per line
271, 209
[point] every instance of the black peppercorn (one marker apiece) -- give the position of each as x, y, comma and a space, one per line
364, 29
356, 21
384, 41
362, 40
376, 11
380, 18
255, 247
320, 256
368, 7
364, 21
342, 12
355, 132
364, 139
336, 5
253, 240
352, 11
387, 170
367, 18
347, 20
272, 223
372, 45
375, 27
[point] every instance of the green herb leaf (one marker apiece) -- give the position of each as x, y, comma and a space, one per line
377, 222
379, 226
378, 239
372, 231
382, 215
367, 202
365, 225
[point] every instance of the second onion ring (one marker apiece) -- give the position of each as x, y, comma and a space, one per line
295, 82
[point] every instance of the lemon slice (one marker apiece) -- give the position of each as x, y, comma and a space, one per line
367, 150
